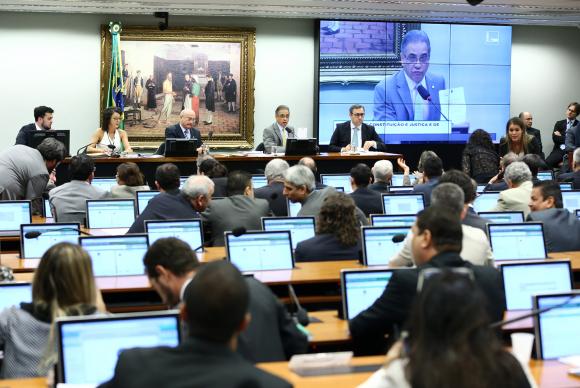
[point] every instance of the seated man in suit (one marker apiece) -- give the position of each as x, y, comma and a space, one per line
273, 191
216, 312
68, 202
276, 134
367, 200
561, 228
517, 197
383, 174
497, 183
559, 134
185, 130
573, 176
436, 243
354, 134
432, 171
572, 142
43, 116
170, 265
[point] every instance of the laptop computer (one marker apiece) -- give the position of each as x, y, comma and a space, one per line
480, 189
13, 293
517, 241
502, 217
557, 329
571, 200
259, 181
293, 208
566, 186
361, 287
301, 228
486, 201
181, 147
189, 231
116, 255
143, 198
35, 239
260, 250
110, 213
393, 219
522, 280
403, 203
301, 147
89, 346
378, 244
182, 180
337, 180
12, 215
397, 180
104, 183
546, 175
400, 189
46, 210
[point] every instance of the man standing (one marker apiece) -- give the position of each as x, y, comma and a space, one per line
355, 134
186, 93
527, 118
276, 134
185, 130
231, 92
273, 191
138, 84
42, 121
168, 95
399, 97
559, 134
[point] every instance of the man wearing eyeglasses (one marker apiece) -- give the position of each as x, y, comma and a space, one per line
354, 134
398, 98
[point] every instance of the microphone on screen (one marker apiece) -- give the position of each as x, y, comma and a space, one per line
425, 95
399, 238
237, 232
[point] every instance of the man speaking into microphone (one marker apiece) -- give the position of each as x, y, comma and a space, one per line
276, 134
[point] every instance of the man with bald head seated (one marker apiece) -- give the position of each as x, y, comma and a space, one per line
307, 161
216, 312
383, 174
273, 191
185, 130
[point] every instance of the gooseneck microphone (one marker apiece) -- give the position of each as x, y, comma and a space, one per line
37, 233
532, 313
83, 149
301, 314
425, 95
237, 232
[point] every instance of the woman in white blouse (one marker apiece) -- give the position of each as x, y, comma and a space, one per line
113, 139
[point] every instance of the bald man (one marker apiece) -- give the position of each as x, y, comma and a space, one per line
185, 130
529, 120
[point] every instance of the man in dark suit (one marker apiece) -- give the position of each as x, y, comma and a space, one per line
468, 186
216, 312
185, 130
432, 170
527, 118
437, 241
273, 191
559, 134
382, 174
573, 176
355, 134
367, 200
276, 134
42, 121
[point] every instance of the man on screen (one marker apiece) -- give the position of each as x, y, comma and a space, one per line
353, 134
412, 93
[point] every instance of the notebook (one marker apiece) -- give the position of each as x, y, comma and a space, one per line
260, 250
393, 219
566, 187
33, 247
301, 228
13, 293
361, 287
378, 245
485, 202
104, 183
143, 198
189, 231
523, 280
503, 217
293, 208
337, 180
571, 200
545, 175
89, 346
116, 255
403, 203
110, 213
517, 241
400, 189
259, 181
12, 215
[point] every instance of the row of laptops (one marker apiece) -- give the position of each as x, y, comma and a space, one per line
488, 200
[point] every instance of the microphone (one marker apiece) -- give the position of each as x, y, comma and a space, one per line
237, 232
301, 314
84, 149
425, 95
399, 238
37, 233
532, 313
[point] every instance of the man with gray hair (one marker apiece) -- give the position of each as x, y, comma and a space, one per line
276, 134
382, 174
475, 246
273, 191
517, 197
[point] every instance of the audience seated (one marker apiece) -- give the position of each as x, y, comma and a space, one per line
517, 140
217, 172
367, 200
535, 164
468, 186
418, 175
479, 159
311, 164
273, 192
517, 197
129, 180
432, 171
573, 176
382, 174
337, 232
497, 183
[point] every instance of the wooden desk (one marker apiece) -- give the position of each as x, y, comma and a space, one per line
330, 331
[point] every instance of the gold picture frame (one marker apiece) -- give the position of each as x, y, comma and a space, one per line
149, 55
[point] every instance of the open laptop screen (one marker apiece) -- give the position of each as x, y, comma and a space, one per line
189, 231
566, 187
260, 251
104, 183
517, 241
393, 219
12, 215
293, 208
360, 288
116, 255
503, 217
378, 245
403, 203
12, 294
397, 180
301, 228
110, 213
545, 175
400, 189
571, 200
46, 210
143, 198
337, 180
35, 239
259, 181
485, 202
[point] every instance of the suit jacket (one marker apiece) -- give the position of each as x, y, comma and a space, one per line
573, 177
381, 187
233, 212
21, 137
561, 229
312, 204
194, 363
23, 173
276, 199
538, 135
326, 247
475, 221
68, 202
573, 138
561, 126
220, 186
516, 199
271, 135
175, 132
393, 98
369, 201
426, 189
392, 307
341, 137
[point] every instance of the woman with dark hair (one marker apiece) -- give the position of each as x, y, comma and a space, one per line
129, 180
516, 139
337, 232
450, 343
110, 139
479, 160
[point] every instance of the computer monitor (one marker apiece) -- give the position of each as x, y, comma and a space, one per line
104, 183
143, 198
110, 213
566, 186
293, 208
89, 346
361, 287
260, 250
13, 293
502, 217
546, 175
517, 241
12, 215
116, 255
337, 180
557, 329
301, 147
259, 181
378, 244
181, 147
34, 138
571, 200
400, 189
397, 180
393, 219
189, 231
480, 188
301, 228
523, 280
486, 201
403, 203
35, 239
46, 210
182, 180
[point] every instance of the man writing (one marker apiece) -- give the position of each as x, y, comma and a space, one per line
354, 134
42, 121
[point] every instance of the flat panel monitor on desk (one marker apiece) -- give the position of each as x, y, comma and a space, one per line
35, 239
400, 189
143, 198
380, 243
182, 180
546, 175
571, 200
301, 228
566, 186
181, 147
502, 217
189, 231
13, 293
397, 180
116, 255
337, 180
110, 213
260, 251
393, 219
259, 181
360, 288
46, 209
293, 208
301, 147
578, 213
104, 183
89, 346
523, 280
517, 241
486, 201
480, 188
403, 203
12, 215
34, 138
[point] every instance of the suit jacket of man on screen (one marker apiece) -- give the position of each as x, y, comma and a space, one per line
341, 137
21, 138
272, 136
393, 98
561, 229
175, 132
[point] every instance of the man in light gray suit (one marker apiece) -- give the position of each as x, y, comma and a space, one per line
69, 201
277, 133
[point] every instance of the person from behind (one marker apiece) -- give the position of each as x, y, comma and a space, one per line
432, 171
468, 187
535, 164
479, 159
497, 183
382, 175
273, 191
367, 200
43, 116
216, 171
573, 176
517, 197
216, 311
110, 139
516, 139
130, 179
311, 164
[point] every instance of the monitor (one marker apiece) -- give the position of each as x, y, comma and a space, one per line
182, 180
260, 250
378, 244
502, 217
116, 255
571, 200
403, 203
401, 189
361, 287
190, 231
293, 208
480, 189
517, 241
110, 213
393, 219
523, 280
13, 293
397, 180
301, 228
34, 138
557, 329
143, 198
566, 186
46, 209
104, 183
259, 181
546, 175
181, 147
89, 346
337, 180
485, 202
301, 147
35, 239
12, 215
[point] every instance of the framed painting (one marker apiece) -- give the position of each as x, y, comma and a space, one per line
208, 70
